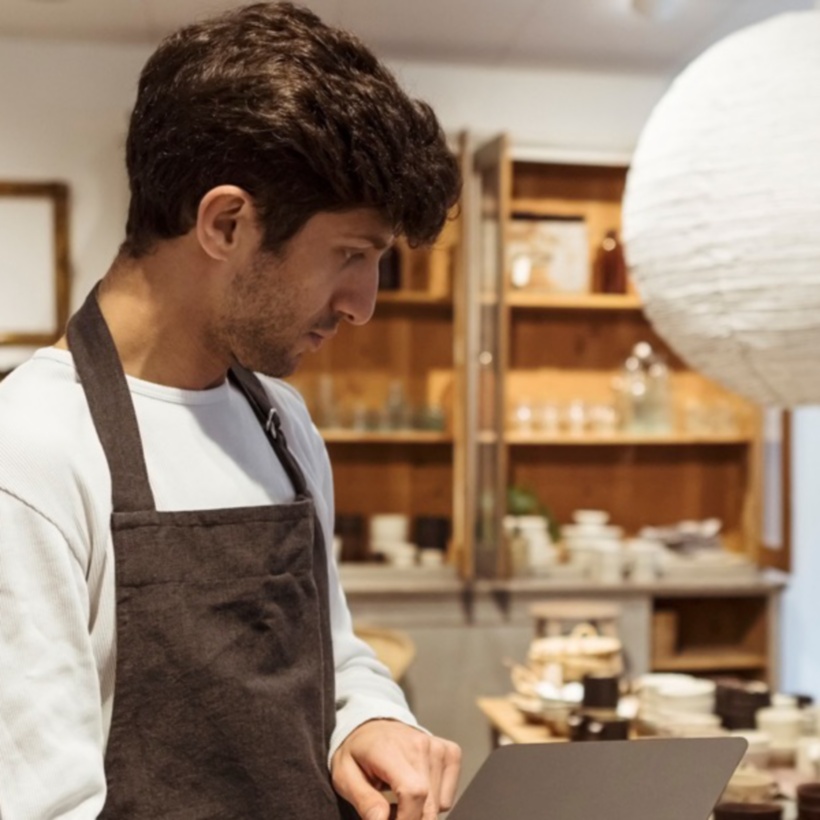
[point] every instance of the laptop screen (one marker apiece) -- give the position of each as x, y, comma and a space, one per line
652, 779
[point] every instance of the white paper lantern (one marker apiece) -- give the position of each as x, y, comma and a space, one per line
722, 212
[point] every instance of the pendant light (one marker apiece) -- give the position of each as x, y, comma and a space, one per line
722, 212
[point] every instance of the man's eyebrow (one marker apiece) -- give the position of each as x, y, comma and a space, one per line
377, 241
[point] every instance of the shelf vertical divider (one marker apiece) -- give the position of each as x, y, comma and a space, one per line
488, 330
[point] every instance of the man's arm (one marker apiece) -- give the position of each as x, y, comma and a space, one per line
51, 735
377, 741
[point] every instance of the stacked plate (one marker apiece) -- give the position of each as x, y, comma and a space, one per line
700, 564
595, 545
679, 705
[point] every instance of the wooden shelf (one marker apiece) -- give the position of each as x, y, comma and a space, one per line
574, 301
623, 439
343, 436
710, 660
413, 298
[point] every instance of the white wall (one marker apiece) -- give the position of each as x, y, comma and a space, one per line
562, 109
63, 115
801, 615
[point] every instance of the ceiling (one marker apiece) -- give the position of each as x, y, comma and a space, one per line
586, 34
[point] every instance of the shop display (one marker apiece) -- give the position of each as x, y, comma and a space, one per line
602, 706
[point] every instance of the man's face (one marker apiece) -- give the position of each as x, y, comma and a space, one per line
280, 306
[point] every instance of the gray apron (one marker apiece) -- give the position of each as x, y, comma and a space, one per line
224, 698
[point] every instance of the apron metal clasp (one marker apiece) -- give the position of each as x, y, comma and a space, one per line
273, 426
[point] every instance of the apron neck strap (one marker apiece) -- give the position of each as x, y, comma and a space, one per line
254, 391
109, 400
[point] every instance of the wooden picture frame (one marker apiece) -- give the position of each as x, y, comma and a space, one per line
33, 257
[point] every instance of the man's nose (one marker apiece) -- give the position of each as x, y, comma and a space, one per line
355, 300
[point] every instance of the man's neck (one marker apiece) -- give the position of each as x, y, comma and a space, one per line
159, 321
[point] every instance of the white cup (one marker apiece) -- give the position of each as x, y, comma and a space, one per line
431, 557
782, 724
594, 517
389, 527
758, 752
807, 760
644, 562
608, 566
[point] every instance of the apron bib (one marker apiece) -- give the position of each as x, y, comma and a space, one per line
224, 697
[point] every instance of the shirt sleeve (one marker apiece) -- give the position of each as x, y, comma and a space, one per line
51, 724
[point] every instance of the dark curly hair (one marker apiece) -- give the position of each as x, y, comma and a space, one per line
300, 115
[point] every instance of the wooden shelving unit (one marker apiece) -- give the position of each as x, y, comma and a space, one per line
410, 346
625, 440
345, 436
720, 659
414, 298
574, 301
555, 349
716, 635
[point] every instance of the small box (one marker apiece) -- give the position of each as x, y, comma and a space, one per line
664, 634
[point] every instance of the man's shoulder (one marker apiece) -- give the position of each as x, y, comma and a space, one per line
45, 427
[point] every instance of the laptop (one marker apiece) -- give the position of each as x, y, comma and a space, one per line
652, 779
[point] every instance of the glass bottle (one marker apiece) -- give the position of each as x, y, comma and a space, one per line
644, 392
610, 266
396, 411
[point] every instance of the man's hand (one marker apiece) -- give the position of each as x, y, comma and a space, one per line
422, 771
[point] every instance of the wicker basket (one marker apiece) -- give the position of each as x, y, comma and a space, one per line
580, 653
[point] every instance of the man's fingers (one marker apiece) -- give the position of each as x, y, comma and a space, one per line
350, 782
421, 770
449, 775
435, 765
412, 794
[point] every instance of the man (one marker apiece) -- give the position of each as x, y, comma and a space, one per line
174, 642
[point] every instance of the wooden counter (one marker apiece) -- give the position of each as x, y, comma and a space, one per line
507, 721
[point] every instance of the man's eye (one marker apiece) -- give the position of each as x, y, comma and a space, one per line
353, 256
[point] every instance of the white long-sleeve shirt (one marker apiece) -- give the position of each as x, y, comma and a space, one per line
203, 449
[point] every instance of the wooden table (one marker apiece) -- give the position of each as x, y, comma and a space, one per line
505, 719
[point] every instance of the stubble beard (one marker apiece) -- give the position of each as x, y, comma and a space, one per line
253, 338
259, 345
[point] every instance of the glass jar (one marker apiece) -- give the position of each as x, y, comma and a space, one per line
644, 392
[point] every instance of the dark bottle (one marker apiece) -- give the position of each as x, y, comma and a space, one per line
601, 694
390, 270
610, 266
613, 729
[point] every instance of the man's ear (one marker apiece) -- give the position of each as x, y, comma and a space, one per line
225, 221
